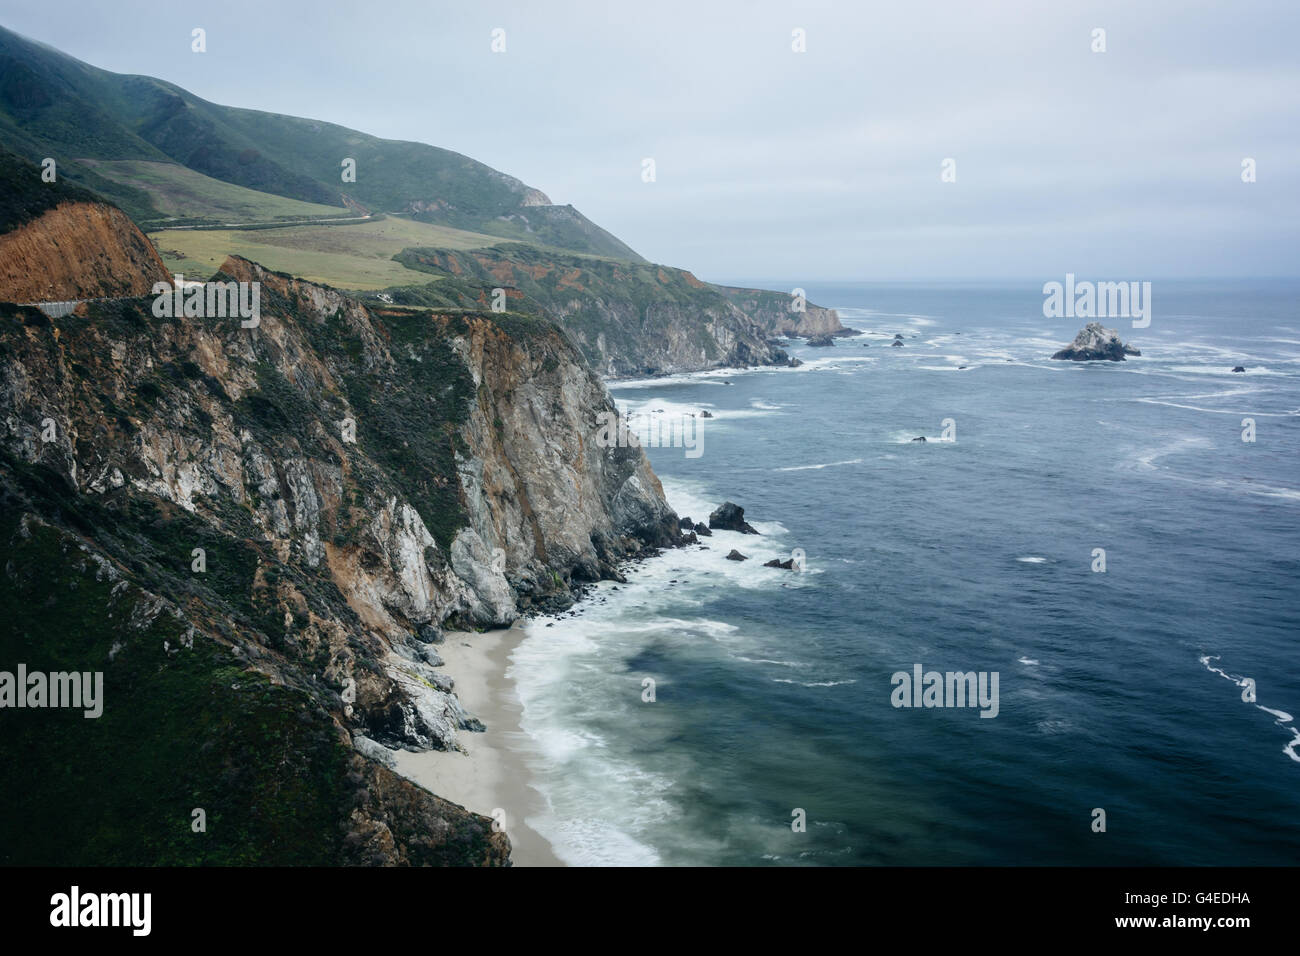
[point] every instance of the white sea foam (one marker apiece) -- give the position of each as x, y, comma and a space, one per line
1032, 559
829, 464
1282, 718
815, 683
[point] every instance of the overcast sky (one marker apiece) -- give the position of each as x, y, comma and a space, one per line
817, 165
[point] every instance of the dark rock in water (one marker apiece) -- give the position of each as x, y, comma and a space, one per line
737, 556
690, 538
787, 565
730, 517
703, 530
706, 414
919, 438
898, 335
897, 343
686, 524
1239, 368
1094, 343
960, 367
821, 341
865, 344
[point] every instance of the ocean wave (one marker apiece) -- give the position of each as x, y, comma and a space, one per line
815, 683
829, 464
1282, 718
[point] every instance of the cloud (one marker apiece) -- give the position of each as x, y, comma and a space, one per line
822, 164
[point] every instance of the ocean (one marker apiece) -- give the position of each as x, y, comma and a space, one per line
1124, 694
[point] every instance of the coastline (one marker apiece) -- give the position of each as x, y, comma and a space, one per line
494, 773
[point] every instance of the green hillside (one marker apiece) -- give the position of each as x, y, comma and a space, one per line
54, 105
181, 193
347, 256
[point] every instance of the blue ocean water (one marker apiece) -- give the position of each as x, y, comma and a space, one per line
1118, 690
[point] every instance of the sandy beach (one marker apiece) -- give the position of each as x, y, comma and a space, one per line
492, 775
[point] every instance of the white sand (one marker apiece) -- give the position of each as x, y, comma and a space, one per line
493, 775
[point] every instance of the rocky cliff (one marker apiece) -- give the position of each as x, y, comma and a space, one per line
779, 313
60, 242
628, 319
258, 534
77, 250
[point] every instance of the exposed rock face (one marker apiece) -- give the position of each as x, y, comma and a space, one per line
734, 555
730, 517
1095, 344
627, 319
774, 313
355, 481
78, 250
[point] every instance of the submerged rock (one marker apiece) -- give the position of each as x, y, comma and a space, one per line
919, 438
1095, 343
730, 517
897, 343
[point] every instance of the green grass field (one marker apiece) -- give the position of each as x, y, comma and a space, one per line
185, 194
354, 256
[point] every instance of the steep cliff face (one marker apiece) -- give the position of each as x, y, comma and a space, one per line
77, 250
628, 319
780, 314
303, 505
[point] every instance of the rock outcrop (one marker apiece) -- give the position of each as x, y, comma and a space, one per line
77, 250
627, 319
1094, 343
730, 517
780, 313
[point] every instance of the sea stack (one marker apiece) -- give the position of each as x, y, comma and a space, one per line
1094, 343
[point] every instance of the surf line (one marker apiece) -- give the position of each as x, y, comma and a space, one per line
1280, 718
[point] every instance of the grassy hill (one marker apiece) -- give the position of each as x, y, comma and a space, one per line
356, 255
181, 193
54, 105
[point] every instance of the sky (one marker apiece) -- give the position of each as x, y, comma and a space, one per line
821, 165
